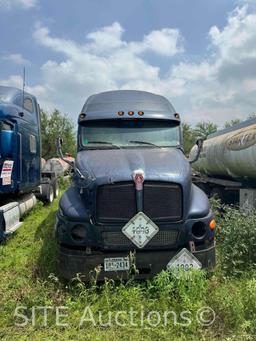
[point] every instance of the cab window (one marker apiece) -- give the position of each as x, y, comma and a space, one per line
28, 104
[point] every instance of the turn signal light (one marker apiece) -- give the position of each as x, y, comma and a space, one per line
212, 224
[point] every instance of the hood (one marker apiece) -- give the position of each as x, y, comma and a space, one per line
113, 165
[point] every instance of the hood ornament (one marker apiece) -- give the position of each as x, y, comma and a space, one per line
138, 178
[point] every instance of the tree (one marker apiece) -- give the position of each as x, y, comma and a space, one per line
203, 129
53, 126
252, 115
189, 137
232, 123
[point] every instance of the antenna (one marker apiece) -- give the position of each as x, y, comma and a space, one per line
23, 87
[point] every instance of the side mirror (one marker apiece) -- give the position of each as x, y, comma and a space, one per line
59, 143
199, 143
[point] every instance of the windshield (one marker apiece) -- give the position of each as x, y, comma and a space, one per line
130, 133
5, 95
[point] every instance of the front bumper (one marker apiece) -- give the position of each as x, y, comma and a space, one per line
148, 263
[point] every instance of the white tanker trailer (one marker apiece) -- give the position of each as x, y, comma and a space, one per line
227, 164
59, 166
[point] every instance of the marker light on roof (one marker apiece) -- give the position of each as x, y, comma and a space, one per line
130, 113
140, 113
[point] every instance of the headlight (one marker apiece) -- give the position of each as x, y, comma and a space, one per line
78, 233
199, 230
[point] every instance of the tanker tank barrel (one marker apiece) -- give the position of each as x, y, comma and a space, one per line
230, 153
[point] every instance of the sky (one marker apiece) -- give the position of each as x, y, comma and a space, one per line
200, 54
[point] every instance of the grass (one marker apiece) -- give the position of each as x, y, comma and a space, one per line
28, 279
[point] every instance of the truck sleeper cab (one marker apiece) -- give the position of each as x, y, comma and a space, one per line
132, 199
20, 158
19, 140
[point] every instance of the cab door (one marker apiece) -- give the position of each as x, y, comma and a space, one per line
29, 145
8, 157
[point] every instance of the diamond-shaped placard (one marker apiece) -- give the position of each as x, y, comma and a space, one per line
184, 260
140, 229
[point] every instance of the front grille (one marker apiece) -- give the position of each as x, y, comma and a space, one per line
117, 202
162, 238
163, 201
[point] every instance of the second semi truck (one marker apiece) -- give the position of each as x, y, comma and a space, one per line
21, 176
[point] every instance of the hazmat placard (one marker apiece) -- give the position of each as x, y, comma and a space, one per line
6, 173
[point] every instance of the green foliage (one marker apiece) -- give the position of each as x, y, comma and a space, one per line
64, 182
232, 123
189, 137
237, 241
252, 115
29, 278
53, 126
203, 129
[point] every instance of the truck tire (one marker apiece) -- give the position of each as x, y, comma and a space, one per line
47, 193
56, 188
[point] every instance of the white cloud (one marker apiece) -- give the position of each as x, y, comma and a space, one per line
9, 4
167, 42
107, 38
104, 62
17, 58
194, 72
223, 86
220, 87
237, 40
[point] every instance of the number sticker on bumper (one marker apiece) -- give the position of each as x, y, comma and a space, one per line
184, 260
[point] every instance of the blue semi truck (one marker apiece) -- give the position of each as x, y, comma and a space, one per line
21, 176
132, 203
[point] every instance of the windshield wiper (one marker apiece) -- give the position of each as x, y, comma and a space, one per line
144, 142
104, 142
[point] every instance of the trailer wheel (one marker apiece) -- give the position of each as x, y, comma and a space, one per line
56, 189
47, 193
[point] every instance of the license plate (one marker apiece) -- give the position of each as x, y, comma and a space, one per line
116, 264
184, 260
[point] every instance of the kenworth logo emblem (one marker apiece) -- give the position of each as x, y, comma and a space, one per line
138, 178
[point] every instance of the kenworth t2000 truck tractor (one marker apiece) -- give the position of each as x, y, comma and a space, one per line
21, 176
132, 203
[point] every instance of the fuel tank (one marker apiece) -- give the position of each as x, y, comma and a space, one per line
229, 153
